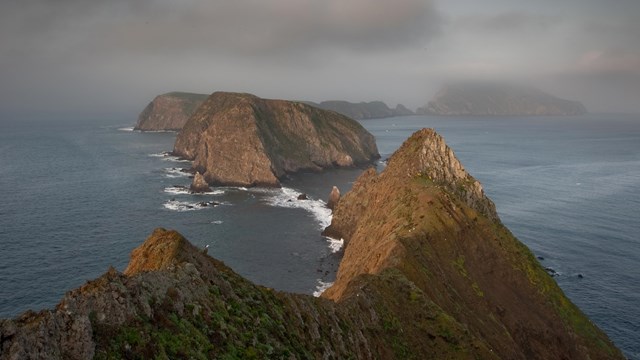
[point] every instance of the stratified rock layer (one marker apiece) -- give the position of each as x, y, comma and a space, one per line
492, 99
242, 140
169, 112
427, 273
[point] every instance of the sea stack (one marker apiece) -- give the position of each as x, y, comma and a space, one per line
169, 112
334, 197
239, 139
199, 184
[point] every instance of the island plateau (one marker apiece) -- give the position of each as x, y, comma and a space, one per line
240, 139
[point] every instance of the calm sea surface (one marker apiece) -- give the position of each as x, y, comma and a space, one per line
78, 196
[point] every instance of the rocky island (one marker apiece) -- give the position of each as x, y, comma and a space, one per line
242, 140
363, 110
429, 272
494, 99
169, 112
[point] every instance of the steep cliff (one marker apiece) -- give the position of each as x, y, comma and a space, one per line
242, 140
429, 272
169, 111
499, 100
425, 219
363, 110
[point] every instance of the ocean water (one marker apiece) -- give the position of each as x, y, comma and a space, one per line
78, 196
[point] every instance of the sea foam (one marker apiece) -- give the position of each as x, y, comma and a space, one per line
288, 198
322, 286
175, 172
166, 156
183, 190
181, 206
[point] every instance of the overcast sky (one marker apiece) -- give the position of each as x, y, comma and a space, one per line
82, 57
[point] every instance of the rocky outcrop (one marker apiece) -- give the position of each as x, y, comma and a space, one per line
199, 184
242, 140
427, 273
492, 99
363, 110
427, 221
334, 198
169, 112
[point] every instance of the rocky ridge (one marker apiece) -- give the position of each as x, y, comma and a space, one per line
363, 110
427, 273
493, 99
242, 140
169, 112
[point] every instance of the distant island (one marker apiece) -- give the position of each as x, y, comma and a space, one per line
428, 272
169, 112
242, 140
495, 99
363, 110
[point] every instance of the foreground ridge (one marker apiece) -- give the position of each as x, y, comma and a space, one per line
429, 272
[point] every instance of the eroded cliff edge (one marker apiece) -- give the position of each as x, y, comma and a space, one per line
429, 272
169, 112
242, 140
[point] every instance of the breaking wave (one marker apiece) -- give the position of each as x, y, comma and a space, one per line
166, 156
288, 198
183, 190
181, 206
321, 287
175, 172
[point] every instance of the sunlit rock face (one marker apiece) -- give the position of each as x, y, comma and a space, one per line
242, 140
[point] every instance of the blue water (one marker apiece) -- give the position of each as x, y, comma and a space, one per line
79, 196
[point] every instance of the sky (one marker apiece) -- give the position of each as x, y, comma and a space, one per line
110, 58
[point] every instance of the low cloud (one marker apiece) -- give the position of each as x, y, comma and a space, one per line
75, 55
